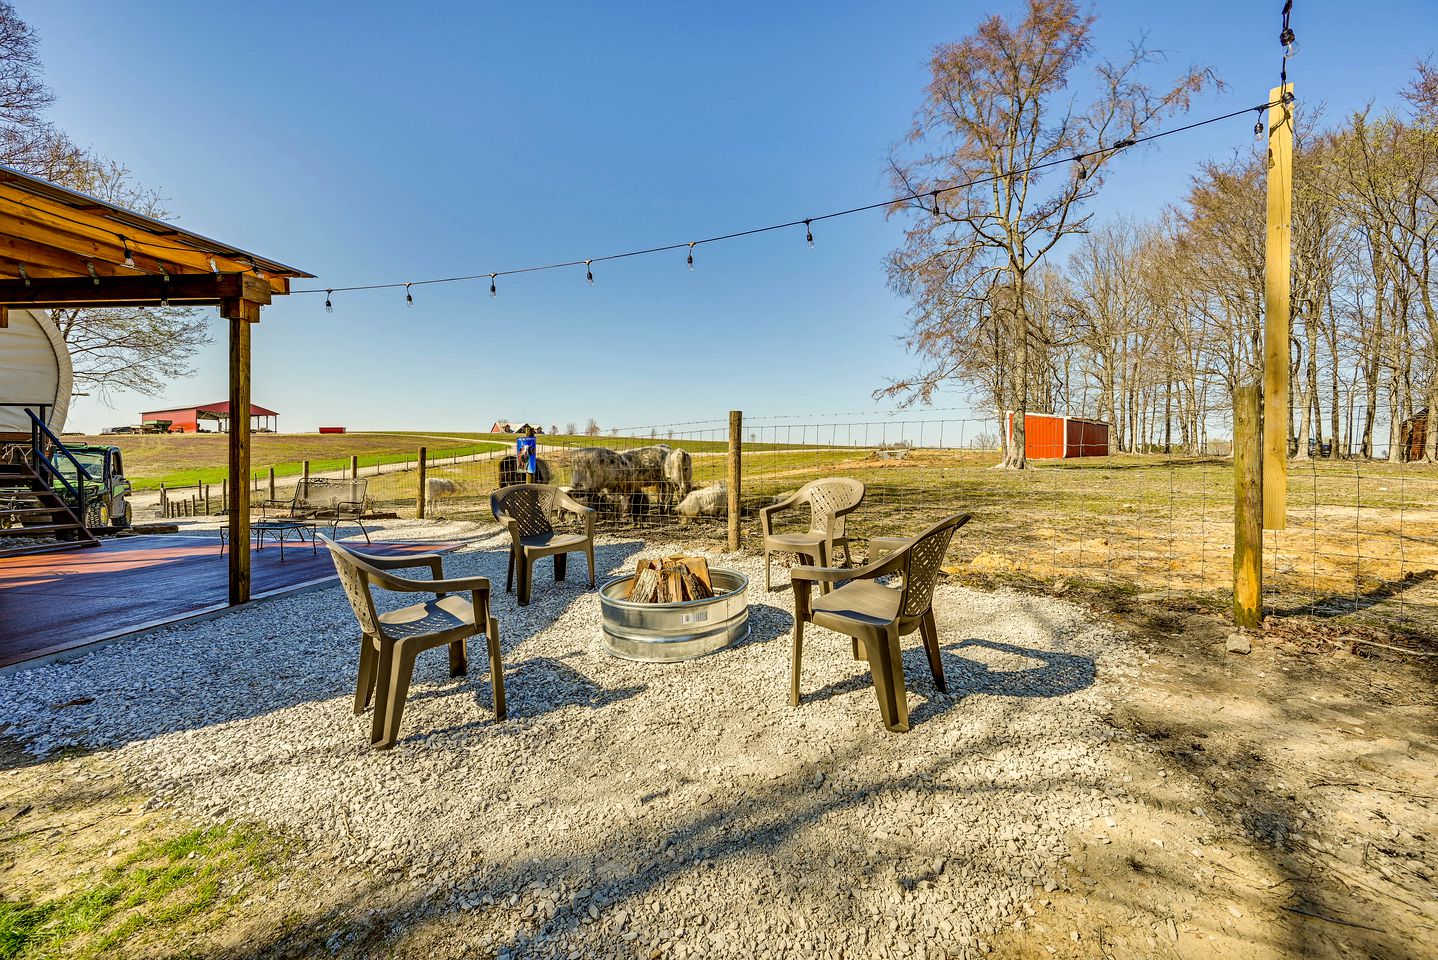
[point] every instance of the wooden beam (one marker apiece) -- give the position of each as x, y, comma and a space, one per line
239, 473
1278, 253
1248, 494
186, 288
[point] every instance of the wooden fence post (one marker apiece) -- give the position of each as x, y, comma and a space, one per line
306, 474
354, 467
1248, 471
1278, 251
419, 494
736, 449
207, 499
164, 500
272, 483
225, 495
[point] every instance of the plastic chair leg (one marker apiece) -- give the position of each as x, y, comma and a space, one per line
402, 670
364, 683
930, 631
798, 658
509, 575
458, 658
591, 565
561, 565
384, 668
496, 669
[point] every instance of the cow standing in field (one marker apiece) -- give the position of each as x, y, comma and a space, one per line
626, 474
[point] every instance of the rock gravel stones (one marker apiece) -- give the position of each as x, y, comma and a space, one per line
661, 809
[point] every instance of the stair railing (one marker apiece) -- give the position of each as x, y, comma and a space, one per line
46, 470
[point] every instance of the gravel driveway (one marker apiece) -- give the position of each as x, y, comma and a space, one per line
629, 808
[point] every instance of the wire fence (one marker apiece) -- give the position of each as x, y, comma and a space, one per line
1359, 546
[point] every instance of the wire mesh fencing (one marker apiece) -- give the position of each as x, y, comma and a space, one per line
1159, 521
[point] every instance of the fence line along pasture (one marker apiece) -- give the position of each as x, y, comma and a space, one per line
1359, 545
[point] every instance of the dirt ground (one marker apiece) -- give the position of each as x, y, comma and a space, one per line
1277, 804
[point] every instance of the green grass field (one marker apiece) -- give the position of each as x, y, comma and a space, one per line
180, 460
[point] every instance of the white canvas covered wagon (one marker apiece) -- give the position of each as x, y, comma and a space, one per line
35, 372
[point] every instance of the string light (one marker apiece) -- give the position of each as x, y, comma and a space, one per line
165, 289
214, 269
408, 297
588, 273
329, 307
129, 259
24, 276
809, 233
1258, 129
1083, 171
91, 267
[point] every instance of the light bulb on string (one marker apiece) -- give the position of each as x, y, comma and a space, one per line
493, 290
588, 273
935, 196
408, 297
1258, 130
691, 257
214, 269
165, 289
1290, 43
329, 307
93, 277
129, 258
809, 234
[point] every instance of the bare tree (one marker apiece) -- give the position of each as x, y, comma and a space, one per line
123, 349
998, 105
591, 428
112, 349
571, 429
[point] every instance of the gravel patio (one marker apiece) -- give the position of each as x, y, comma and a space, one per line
626, 809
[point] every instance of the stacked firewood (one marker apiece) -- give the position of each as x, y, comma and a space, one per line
671, 580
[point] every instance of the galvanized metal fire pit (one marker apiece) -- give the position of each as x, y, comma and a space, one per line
667, 632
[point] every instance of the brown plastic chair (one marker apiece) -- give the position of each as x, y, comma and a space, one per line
393, 640
876, 616
830, 501
526, 511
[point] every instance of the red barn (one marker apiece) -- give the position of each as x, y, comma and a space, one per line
188, 419
1049, 436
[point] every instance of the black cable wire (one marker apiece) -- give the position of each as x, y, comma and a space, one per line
803, 221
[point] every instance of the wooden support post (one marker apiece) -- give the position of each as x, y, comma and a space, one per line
164, 499
1278, 252
1248, 497
306, 473
419, 495
354, 467
225, 495
207, 499
240, 313
272, 483
736, 450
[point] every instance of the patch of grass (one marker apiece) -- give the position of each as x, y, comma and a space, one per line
159, 887
180, 460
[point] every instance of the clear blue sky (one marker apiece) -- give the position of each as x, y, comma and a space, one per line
368, 141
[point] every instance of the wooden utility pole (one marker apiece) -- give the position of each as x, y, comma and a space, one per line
1249, 475
241, 314
736, 450
419, 494
1278, 252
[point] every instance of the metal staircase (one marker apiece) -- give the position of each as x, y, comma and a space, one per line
29, 506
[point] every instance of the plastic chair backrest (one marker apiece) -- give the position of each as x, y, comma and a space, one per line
530, 505
921, 568
356, 587
838, 495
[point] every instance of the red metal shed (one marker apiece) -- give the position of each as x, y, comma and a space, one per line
1049, 436
188, 419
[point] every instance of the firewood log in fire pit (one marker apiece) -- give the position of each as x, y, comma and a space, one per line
671, 580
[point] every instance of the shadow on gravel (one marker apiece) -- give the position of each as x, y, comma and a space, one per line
1057, 675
